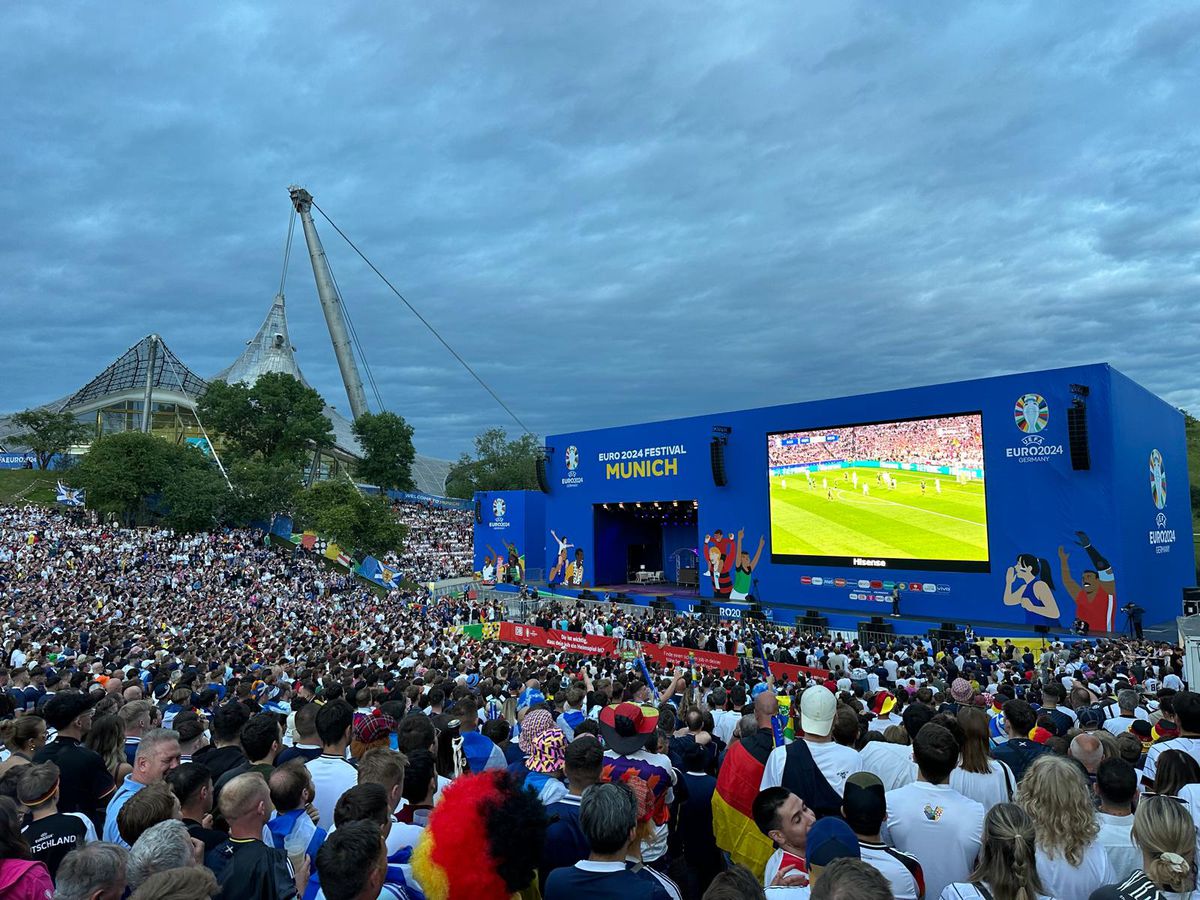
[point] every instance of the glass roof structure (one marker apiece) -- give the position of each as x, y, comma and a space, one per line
129, 372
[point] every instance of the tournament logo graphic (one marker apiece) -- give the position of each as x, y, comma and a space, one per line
571, 457
1031, 413
1158, 479
499, 507
933, 813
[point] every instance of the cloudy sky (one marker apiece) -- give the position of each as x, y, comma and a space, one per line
615, 211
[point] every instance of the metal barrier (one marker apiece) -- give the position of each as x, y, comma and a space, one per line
450, 586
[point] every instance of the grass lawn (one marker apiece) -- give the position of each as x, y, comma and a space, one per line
900, 523
27, 485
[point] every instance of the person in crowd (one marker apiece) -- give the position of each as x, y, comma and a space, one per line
369, 803
628, 730
847, 878
153, 804
107, 737
795, 768
163, 846
1070, 861
21, 876
1019, 750
1089, 751
352, 865
371, 730
157, 754
292, 829
701, 854
985, 780
893, 762
93, 872
836, 762
482, 752
191, 729
565, 843
489, 821
243, 864
1007, 865
307, 744
225, 752
786, 820
1116, 788
929, 819
23, 738
260, 742
386, 768
829, 840
136, 719
85, 784
545, 765
1165, 835
193, 787
1186, 716
332, 774
51, 834
735, 883
608, 815
192, 883
1174, 771
420, 786
864, 807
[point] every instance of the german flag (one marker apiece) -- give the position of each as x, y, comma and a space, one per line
732, 804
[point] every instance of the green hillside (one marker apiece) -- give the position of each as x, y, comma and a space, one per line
26, 485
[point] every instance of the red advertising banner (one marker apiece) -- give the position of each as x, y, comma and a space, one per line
599, 645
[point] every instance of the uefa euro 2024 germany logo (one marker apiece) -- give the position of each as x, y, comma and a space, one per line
572, 458
498, 508
1158, 479
1031, 413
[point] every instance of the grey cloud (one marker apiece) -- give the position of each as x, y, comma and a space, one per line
616, 212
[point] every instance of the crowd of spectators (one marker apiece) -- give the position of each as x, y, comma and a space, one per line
439, 544
953, 441
197, 716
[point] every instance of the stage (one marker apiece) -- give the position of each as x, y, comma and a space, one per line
661, 589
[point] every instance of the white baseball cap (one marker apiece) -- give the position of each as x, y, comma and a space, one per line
817, 706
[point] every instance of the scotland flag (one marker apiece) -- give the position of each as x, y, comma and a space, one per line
382, 575
70, 496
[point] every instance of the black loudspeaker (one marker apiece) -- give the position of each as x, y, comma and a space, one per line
1042, 629
478, 512
1191, 601
1077, 435
716, 455
542, 480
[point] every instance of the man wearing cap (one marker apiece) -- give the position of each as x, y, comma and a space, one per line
628, 730
835, 761
829, 839
85, 783
864, 807
931, 820
883, 706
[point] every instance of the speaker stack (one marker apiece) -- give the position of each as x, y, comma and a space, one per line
478, 512
716, 456
1077, 429
542, 479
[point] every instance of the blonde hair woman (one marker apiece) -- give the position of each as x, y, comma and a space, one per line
1007, 865
1163, 830
1070, 861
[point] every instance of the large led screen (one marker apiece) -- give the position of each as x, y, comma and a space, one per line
903, 494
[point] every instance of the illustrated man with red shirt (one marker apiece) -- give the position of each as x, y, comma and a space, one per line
718, 552
1096, 599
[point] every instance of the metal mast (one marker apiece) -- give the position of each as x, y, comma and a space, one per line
148, 393
331, 303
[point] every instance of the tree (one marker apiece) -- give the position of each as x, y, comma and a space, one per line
276, 420
50, 433
338, 511
195, 497
388, 451
122, 472
262, 489
498, 465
